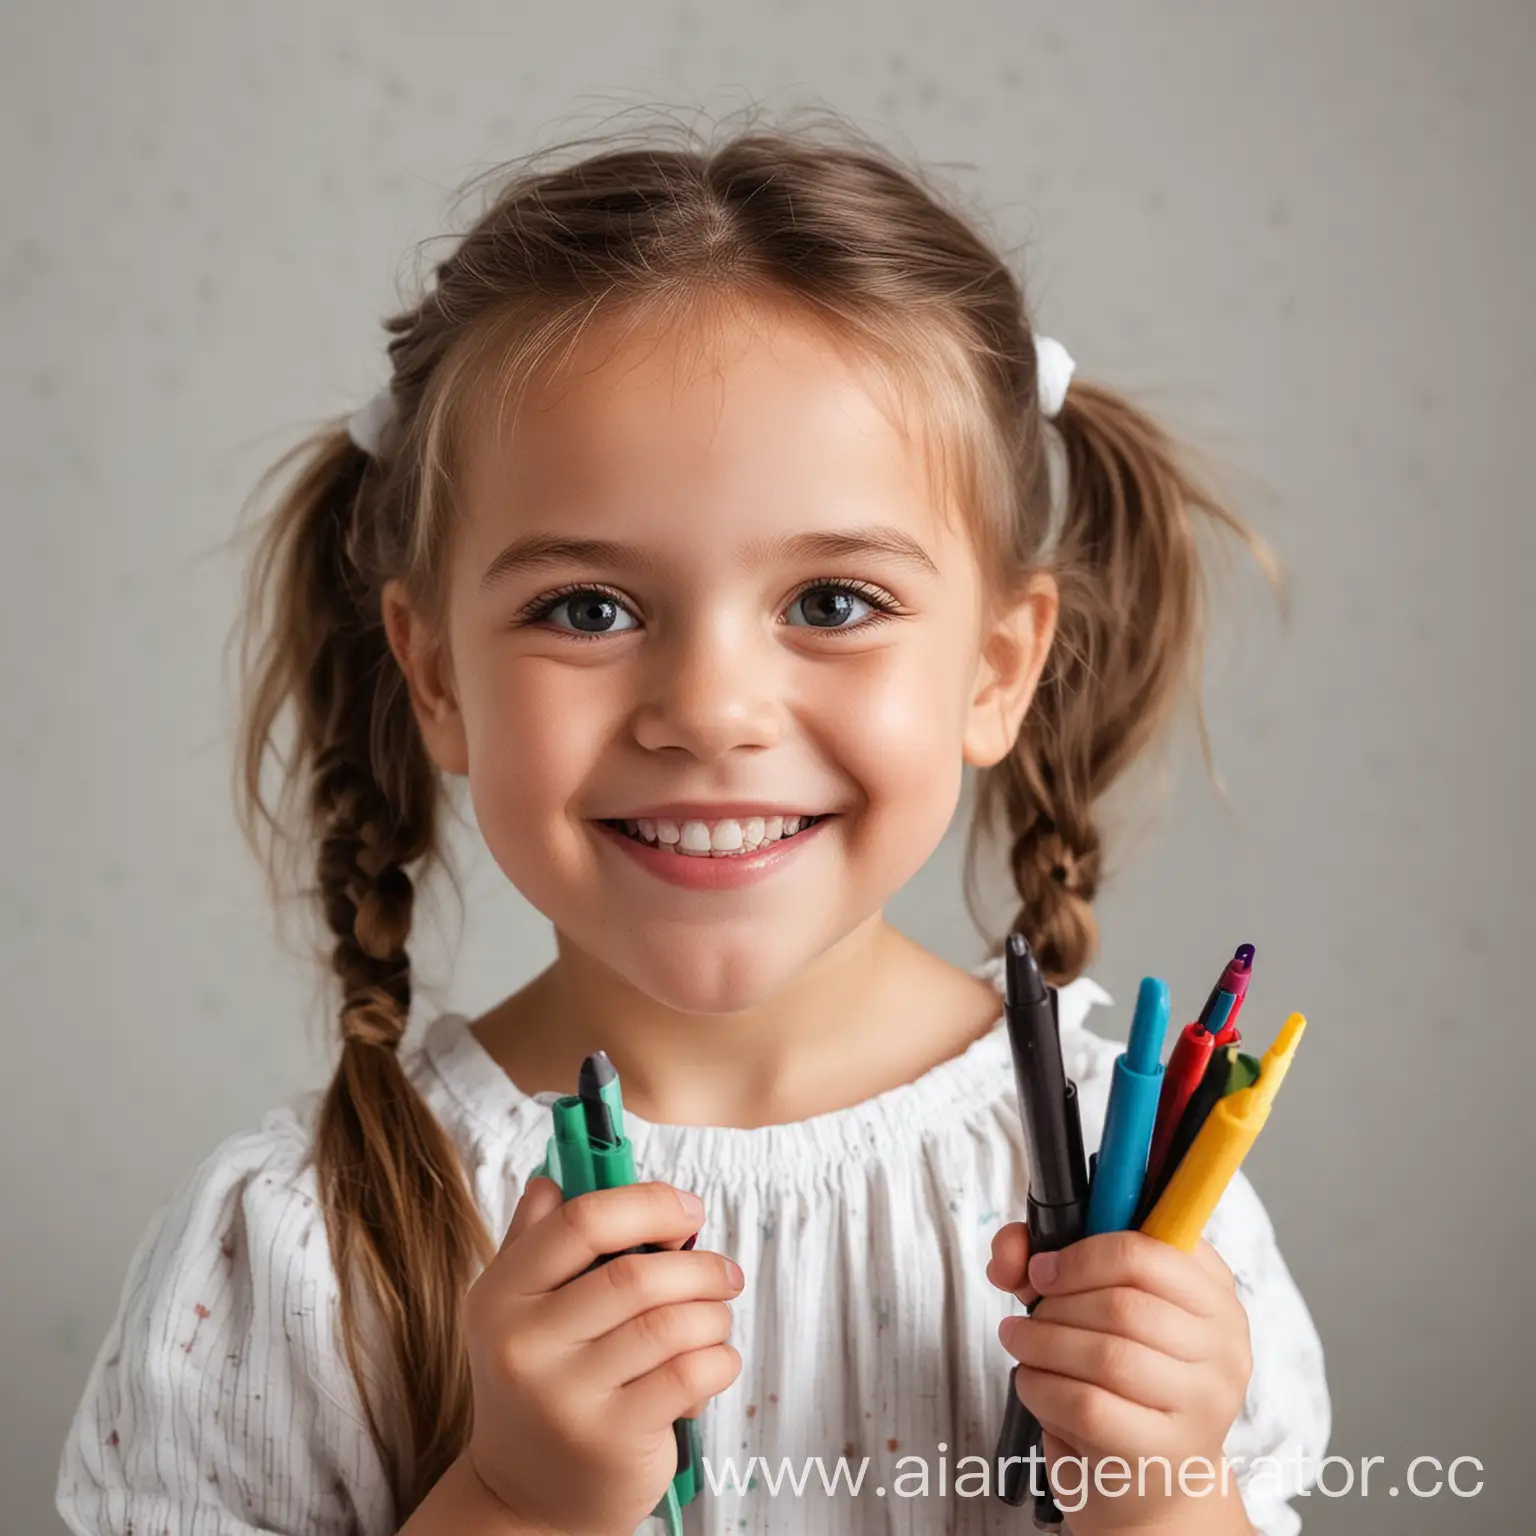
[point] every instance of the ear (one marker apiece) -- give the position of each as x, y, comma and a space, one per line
428, 676
1012, 658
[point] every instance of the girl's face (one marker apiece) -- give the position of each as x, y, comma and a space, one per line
702, 582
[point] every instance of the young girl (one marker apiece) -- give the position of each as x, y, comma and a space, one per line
706, 530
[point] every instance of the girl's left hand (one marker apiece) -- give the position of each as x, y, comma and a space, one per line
1137, 1350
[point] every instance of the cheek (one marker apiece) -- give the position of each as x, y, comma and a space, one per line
532, 738
898, 730
900, 723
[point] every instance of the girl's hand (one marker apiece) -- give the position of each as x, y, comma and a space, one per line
577, 1377
1137, 1350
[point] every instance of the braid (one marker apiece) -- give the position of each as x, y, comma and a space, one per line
1054, 853
406, 1236
367, 897
404, 1227
1056, 869
1127, 644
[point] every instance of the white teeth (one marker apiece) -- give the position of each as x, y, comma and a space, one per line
725, 838
695, 838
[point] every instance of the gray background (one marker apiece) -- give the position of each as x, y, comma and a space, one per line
1304, 233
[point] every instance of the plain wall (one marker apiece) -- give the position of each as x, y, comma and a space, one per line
1303, 233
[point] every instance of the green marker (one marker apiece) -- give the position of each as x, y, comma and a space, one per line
1228, 1071
588, 1151
598, 1092
1243, 1073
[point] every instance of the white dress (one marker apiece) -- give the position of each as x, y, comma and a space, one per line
221, 1404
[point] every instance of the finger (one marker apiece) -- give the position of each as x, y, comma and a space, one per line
558, 1248
1132, 1314
1069, 1471
1120, 1366
1087, 1416
1216, 1266
694, 1378
596, 1303
1008, 1268
1055, 1441
653, 1338
1133, 1259
540, 1196
682, 1244
1056, 1450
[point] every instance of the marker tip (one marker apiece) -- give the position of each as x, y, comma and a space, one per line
1023, 983
596, 1073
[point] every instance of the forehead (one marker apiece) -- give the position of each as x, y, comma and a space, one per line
736, 422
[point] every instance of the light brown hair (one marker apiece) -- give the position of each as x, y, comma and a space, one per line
820, 218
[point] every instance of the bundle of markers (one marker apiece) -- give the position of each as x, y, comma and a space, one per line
1173, 1138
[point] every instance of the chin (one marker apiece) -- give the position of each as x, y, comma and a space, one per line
717, 975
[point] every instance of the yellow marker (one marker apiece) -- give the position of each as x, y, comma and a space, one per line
1179, 1217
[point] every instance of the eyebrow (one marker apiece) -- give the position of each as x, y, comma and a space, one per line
538, 551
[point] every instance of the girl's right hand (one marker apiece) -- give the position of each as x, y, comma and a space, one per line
577, 1377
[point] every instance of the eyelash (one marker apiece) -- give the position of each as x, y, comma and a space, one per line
885, 606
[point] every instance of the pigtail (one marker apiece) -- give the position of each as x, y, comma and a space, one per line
1129, 640
405, 1235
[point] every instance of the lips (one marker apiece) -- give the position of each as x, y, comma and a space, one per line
724, 870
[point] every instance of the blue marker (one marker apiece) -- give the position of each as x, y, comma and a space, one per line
1121, 1164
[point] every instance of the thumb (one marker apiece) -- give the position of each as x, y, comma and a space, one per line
540, 1196
1008, 1268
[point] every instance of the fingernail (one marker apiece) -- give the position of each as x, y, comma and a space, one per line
690, 1202
1043, 1269
733, 1273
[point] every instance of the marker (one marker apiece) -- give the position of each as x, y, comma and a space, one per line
1058, 1178
1196, 1187
1192, 1052
588, 1151
602, 1106
1229, 1033
570, 1153
1228, 1070
1122, 1158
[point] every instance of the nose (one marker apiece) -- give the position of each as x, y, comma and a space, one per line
712, 690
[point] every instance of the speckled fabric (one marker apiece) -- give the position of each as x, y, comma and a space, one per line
221, 1401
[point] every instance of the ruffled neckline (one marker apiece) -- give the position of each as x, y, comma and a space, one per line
950, 1094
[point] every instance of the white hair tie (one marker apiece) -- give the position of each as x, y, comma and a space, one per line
1053, 372
365, 426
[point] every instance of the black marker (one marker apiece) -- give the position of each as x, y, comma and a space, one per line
1058, 1181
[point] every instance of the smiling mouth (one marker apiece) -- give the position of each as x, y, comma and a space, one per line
725, 839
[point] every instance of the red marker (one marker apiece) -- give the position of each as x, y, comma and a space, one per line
1217, 1025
